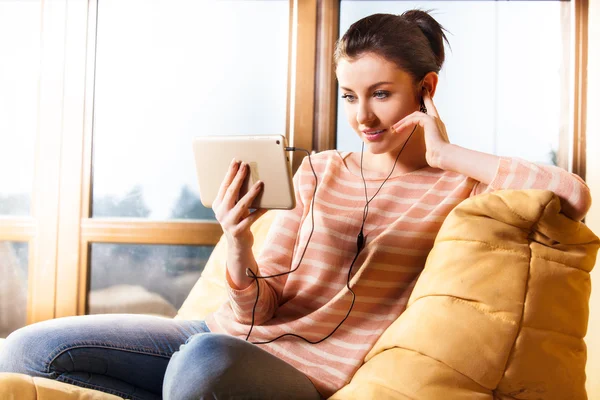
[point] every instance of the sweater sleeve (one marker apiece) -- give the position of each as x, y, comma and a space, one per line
275, 257
516, 173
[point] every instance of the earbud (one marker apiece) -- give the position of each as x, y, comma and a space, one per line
423, 109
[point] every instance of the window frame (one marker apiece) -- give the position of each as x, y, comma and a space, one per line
60, 230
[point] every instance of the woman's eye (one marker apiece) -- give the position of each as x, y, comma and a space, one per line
380, 94
348, 97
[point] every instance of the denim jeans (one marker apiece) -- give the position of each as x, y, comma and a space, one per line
143, 357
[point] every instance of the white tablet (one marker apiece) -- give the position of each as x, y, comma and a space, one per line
264, 154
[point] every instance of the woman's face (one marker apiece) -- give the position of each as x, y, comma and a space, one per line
376, 95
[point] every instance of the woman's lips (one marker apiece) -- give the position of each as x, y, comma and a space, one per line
373, 135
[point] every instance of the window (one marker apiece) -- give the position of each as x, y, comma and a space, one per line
143, 279
189, 68
503, 87
13, 286
19, 76
99, 101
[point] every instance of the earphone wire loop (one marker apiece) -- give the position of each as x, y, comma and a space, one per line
361, 238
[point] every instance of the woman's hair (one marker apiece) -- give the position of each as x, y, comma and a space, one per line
412, 40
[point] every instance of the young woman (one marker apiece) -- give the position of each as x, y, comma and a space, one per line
355, 245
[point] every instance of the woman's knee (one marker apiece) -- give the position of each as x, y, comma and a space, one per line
26, 350
205, 365
33, 350
220, 366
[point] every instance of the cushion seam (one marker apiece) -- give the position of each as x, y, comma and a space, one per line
559, 262
515, 213
482, 242
443, 363
553, 331
37, 394
525, 294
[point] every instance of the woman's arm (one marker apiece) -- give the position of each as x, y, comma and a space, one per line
493, 171
512, 173
241, 264
477, 165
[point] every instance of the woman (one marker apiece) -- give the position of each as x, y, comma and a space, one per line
355, 244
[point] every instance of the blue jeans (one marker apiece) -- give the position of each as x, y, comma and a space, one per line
143, 357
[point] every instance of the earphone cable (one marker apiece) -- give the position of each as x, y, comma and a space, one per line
359, 245
366, 209
256, 277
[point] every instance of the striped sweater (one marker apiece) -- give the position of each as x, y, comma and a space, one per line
400, 229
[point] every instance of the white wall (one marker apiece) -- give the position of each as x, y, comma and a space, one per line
593, 179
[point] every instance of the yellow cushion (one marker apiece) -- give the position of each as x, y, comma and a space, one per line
210, 291
500, 310
22, 387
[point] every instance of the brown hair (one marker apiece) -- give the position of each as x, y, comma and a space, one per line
413, 40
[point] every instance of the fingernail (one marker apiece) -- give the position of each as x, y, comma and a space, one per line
392, 129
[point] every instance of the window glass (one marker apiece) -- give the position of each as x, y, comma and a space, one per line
185, 68
143, 279
20, 23
502, 87
14, 262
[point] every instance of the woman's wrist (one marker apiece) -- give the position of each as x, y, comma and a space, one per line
442, 155
240, 246
239, 258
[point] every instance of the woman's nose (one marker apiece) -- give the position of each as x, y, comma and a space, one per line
364, 115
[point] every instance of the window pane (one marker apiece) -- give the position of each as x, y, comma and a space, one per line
189, 68
14, 261
19, 76
501, 89
143, 279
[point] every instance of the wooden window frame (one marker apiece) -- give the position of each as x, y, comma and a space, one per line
80, 230
579, 32
60, 231
328, 26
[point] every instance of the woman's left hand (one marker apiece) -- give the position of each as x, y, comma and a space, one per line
436, 138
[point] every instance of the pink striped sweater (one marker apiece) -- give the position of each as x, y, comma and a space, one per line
400, 229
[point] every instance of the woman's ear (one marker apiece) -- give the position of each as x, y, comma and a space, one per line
430, 82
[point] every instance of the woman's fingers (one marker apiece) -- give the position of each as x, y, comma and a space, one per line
234, 215
231, 172
242, 208
416, 118
245, 202
232, 193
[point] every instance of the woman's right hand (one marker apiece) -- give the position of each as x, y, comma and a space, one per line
234, 215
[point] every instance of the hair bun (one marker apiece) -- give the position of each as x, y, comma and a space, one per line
433, 31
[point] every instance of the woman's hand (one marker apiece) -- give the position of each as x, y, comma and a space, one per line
233, 215
436, 138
